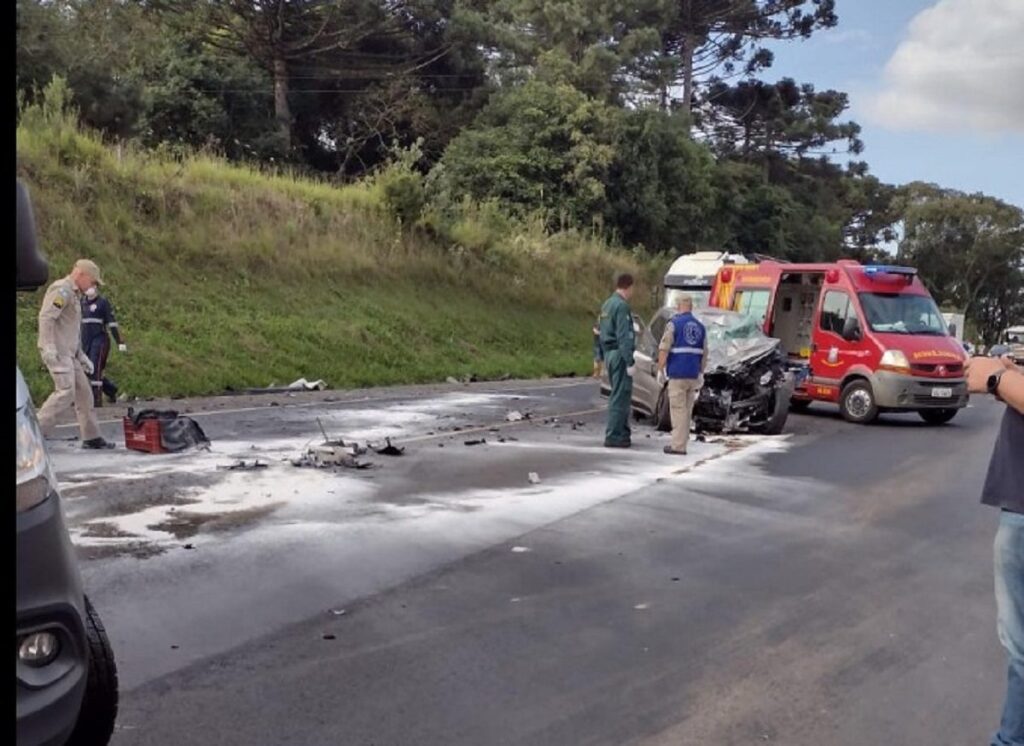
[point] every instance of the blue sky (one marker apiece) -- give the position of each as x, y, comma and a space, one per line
937, 85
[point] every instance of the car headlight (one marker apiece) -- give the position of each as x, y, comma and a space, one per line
895, 361
35, 478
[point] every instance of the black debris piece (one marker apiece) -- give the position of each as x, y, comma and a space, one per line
701, 438
480, 442
329, 636
174, 647
440, 445
189, 546
243, 465
390, 450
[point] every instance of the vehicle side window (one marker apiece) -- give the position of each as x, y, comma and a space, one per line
835, 309
753, 303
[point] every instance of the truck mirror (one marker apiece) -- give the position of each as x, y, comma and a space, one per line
32, 270
851, 329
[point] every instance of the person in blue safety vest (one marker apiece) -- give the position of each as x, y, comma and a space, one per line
97, 320
682, 355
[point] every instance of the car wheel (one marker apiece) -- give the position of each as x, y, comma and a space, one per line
662, 412
95, 723
800, 405
937, 416
857, 402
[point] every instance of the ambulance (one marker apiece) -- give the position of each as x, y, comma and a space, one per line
866, 337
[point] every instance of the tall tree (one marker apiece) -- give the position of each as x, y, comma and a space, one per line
708, 38
970, 250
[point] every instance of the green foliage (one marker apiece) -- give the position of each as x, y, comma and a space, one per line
660, 186
970, 249
402, 186
540, 146
228, 276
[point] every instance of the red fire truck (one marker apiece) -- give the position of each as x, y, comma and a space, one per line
866, 337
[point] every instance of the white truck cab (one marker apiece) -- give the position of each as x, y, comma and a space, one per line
694, 275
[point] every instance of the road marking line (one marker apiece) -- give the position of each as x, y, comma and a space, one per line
364, 400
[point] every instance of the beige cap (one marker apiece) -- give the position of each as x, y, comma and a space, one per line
89, 266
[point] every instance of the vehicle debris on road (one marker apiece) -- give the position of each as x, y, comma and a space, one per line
534, 477
480, 442
243, 465
327, 456
517, 416
389, 450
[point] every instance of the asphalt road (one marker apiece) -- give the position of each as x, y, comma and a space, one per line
830, 586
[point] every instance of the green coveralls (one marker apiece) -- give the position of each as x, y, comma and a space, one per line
618, 344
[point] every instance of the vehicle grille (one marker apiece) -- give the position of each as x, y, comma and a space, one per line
930, 368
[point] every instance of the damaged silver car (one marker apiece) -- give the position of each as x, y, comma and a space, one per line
747, 386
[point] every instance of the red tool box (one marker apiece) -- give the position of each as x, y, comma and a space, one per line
145, 437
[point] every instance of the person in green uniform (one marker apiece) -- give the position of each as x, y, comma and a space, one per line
617, 341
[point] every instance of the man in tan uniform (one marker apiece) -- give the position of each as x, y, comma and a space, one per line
60, 346
682, 357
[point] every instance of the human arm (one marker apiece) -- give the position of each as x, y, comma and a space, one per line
54, 303
111, 323
1011, 385
624, 333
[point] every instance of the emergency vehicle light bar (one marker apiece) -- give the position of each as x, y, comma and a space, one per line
887, 269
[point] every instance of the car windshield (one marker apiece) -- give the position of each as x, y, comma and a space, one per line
722, 327
903, 313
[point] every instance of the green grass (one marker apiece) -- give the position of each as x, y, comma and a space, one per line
224, 276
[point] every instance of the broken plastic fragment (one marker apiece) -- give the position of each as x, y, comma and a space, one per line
480, 442
243, 465
534, 477
520, 550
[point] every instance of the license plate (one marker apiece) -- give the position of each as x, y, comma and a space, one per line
943, 393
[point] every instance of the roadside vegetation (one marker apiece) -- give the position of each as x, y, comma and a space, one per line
224, 276
377, 192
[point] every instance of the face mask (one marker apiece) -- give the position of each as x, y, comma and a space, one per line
91, 292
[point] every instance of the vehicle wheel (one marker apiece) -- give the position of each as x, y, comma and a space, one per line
937, 416
662, 412
96, 719
857, 402
800, 405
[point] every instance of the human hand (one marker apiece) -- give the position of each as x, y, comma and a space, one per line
980, 368
87, 365
662, 377
631, 370
122, 347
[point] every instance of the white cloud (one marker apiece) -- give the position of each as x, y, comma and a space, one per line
961, 68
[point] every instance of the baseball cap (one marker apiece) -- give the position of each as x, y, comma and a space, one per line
89, 266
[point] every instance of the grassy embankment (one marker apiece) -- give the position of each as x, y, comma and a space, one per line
224, 276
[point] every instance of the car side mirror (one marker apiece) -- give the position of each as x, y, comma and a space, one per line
32, 270
851, 329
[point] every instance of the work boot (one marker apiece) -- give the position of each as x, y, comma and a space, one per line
673, 452
97, 444
112, 395
613, 444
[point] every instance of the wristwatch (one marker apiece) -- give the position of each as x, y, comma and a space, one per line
993, 382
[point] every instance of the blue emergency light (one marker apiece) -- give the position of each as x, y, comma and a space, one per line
888, 269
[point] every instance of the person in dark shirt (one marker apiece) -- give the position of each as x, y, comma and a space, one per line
1004, 489
98, 322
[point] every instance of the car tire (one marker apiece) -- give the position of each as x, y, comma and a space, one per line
937, 416
800, 405
663, 412
95, 724
857, 402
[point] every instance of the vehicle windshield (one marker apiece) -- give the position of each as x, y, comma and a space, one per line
700, 297
722, 327
903, 313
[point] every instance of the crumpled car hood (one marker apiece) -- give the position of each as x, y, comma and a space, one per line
736, 354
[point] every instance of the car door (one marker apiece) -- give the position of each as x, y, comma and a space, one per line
645, 385
832, 354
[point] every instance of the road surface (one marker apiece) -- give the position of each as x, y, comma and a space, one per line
833, 585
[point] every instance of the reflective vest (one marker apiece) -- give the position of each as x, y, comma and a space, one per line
687, 351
